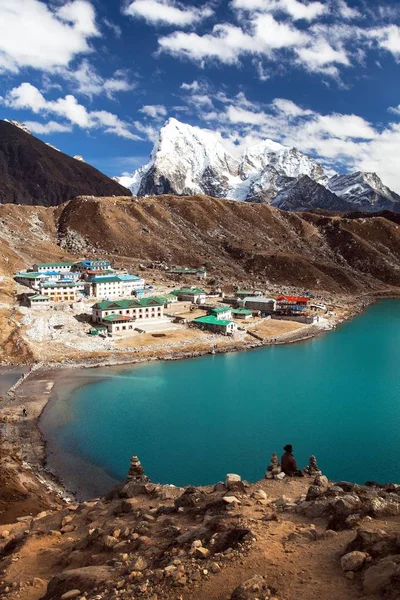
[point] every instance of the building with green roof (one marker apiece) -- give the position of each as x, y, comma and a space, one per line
215, 325
201, 272
190, 294
223, 313
123, 316
38, 301
61, 266
242, 313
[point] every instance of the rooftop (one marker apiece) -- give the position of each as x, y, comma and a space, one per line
131, 303
89, 262
55, 264
293, 298
115, 278
191, 290
220, 309
258, 299
211, 320
114, 318
30, 275
58, 284
241, 311
187, 270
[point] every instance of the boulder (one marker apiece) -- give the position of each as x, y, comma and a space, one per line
234, 482
259, 495
84, 579
366, 539
353, 561
379, 576
231, 500
314, 492
252, 589
190, 498
70, 595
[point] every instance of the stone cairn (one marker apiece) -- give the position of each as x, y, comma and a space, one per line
312, 469
274, 467
136, 472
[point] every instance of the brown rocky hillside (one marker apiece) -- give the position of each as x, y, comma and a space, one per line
237, 241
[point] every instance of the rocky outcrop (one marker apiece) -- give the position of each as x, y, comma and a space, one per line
377, 554
345, 504
31, 172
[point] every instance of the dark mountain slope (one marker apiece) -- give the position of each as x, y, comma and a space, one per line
307, 194
31, 172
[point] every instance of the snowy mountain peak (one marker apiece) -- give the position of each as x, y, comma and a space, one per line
365, 191
185, 160
188, 160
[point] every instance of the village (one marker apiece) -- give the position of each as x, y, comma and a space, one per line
92, 306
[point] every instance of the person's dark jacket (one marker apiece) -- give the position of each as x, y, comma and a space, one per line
288, 463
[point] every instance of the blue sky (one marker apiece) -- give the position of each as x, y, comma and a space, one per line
100, 77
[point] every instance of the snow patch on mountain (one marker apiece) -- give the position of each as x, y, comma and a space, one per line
19, 125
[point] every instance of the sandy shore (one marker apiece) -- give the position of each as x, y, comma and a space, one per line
56, 382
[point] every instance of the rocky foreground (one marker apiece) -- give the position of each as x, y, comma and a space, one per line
277, 539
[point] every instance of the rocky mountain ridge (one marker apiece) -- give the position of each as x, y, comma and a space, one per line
33, 172
188, 160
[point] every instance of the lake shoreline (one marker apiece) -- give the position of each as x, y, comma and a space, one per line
34, 388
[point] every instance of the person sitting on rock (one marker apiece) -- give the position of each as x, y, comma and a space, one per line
288, 463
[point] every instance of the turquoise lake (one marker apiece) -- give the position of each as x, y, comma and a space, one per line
191, 422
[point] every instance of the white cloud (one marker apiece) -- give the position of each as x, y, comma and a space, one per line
88, 82
346, 11
241, 115
191, 87
268, 31
227, 42
388, 38
36, 34
154, 111
297, 10
289, 108
28, 97
47, 128
167, 12
319, 56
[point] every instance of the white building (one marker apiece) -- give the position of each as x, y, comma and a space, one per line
62, 291
32, 280
191, 294
115, 286
221, 313
123, 316
265, 305
54, 266
38, 301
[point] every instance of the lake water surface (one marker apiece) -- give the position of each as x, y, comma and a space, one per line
193, 421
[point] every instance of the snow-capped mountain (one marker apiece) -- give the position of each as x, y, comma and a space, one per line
365, 191
187, 160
